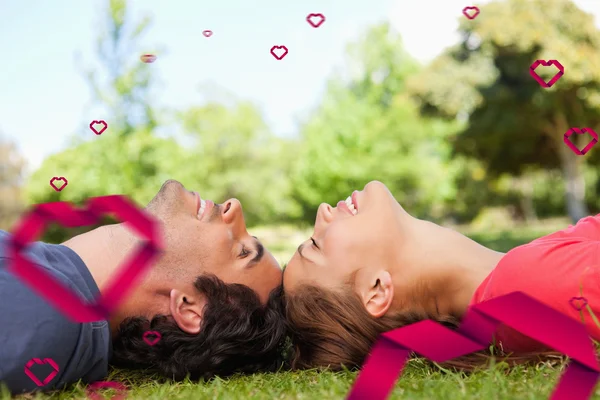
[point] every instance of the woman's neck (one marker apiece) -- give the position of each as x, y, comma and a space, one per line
446, 268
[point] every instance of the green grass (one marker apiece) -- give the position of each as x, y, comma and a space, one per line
420, 379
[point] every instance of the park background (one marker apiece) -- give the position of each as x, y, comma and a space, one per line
439, 107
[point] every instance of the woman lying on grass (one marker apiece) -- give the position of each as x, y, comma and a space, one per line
371, 267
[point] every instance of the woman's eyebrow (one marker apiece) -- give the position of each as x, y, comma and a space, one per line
300, 249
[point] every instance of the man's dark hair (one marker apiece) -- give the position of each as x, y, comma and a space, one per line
238, 334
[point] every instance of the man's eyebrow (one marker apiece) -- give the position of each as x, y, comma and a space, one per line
260, 251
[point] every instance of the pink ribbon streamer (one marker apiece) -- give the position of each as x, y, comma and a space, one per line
439, 344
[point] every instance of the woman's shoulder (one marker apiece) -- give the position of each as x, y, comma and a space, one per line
546, 269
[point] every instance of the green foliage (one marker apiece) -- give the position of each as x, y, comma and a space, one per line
135, 165
123, 84
514, 125
127, 158
366, 129
234, 154
12, 167
499, 131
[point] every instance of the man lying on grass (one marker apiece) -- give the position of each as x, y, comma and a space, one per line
212, 295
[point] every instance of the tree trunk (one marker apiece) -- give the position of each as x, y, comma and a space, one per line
525, 185
574, 182
570, 164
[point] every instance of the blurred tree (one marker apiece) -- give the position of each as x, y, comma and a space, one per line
366, 129
123, 83
128, 158
234, 154
514, 125
11, 174
231, 154
135, 166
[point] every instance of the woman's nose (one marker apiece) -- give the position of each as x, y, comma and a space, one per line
324, 216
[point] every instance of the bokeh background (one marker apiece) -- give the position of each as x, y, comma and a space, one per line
439, 107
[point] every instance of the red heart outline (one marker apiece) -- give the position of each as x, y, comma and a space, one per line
34, 223
537, 63
438, 343
318, 15
207, 33
102, 122
582, 299
581, 131
58, 178
145, 58
39, 361
94, 387
466, 14
279, 47
152, 342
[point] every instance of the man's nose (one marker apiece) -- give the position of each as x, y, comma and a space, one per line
233, 214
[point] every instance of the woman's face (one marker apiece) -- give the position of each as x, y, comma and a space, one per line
349, 241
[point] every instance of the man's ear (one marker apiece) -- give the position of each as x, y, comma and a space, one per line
187, 310
378, 293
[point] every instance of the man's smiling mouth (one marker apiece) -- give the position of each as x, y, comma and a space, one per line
203, 206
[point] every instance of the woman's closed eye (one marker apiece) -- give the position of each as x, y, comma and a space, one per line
314, 242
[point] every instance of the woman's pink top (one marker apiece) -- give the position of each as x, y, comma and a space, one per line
557, 269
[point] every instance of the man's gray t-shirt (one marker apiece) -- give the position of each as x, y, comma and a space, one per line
30, 328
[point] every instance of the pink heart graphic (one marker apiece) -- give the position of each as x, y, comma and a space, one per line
148, 59
94, 124
578, 303
152, 337
207, 33
581, 131
473, 15
537, 63
283, 53
59, 179
41, 362
94, 387
35, 222
319, 17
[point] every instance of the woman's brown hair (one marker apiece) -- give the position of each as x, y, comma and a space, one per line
331, 329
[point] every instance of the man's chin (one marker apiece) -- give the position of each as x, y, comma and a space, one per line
167, 193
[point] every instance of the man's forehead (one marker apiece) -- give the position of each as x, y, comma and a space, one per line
270, 260
293, 269
268, 276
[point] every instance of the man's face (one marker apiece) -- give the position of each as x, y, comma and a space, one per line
204, 237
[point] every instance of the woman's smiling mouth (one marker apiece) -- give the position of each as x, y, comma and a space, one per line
350, 205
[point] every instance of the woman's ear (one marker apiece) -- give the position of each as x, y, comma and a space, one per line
378, 296
187, 310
